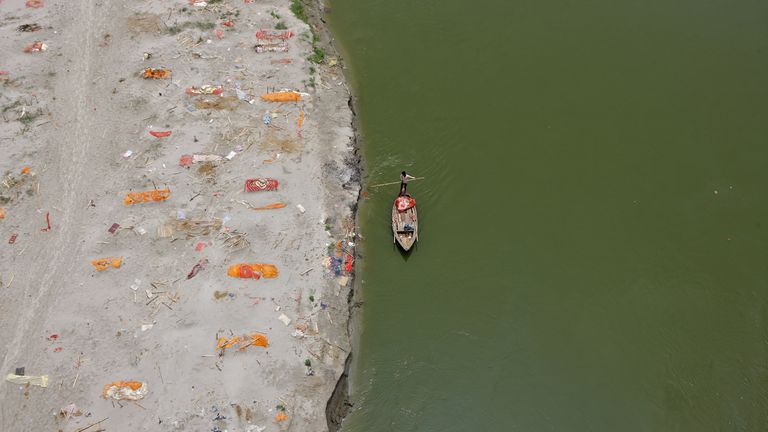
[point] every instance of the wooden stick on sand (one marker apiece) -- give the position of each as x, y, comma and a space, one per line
91, 425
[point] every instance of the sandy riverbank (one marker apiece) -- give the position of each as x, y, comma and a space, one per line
71, 114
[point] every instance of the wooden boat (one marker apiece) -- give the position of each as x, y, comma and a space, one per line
405, 223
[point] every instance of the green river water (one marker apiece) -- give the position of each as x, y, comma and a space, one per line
593, 248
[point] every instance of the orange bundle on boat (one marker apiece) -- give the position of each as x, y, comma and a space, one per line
152, 73
252, 271
105, 263
242, 342
153, 195
403, 203
282, 96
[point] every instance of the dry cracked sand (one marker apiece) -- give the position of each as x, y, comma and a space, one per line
70, 115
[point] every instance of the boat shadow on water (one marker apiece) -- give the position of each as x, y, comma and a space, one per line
406, 255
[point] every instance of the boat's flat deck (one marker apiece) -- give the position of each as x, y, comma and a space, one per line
399, 222
401, 219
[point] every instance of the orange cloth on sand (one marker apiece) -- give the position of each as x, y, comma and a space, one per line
153, 195
270, 206
286, 96
121, 390
252, 271
105, 263
242, 342
156, 73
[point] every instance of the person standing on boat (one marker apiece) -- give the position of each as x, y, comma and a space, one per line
404, 179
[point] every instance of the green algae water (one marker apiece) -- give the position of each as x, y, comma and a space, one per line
593, 246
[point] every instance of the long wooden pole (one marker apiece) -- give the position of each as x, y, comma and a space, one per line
92, 425
393, 183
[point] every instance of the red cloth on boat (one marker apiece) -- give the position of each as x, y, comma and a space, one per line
403, 203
